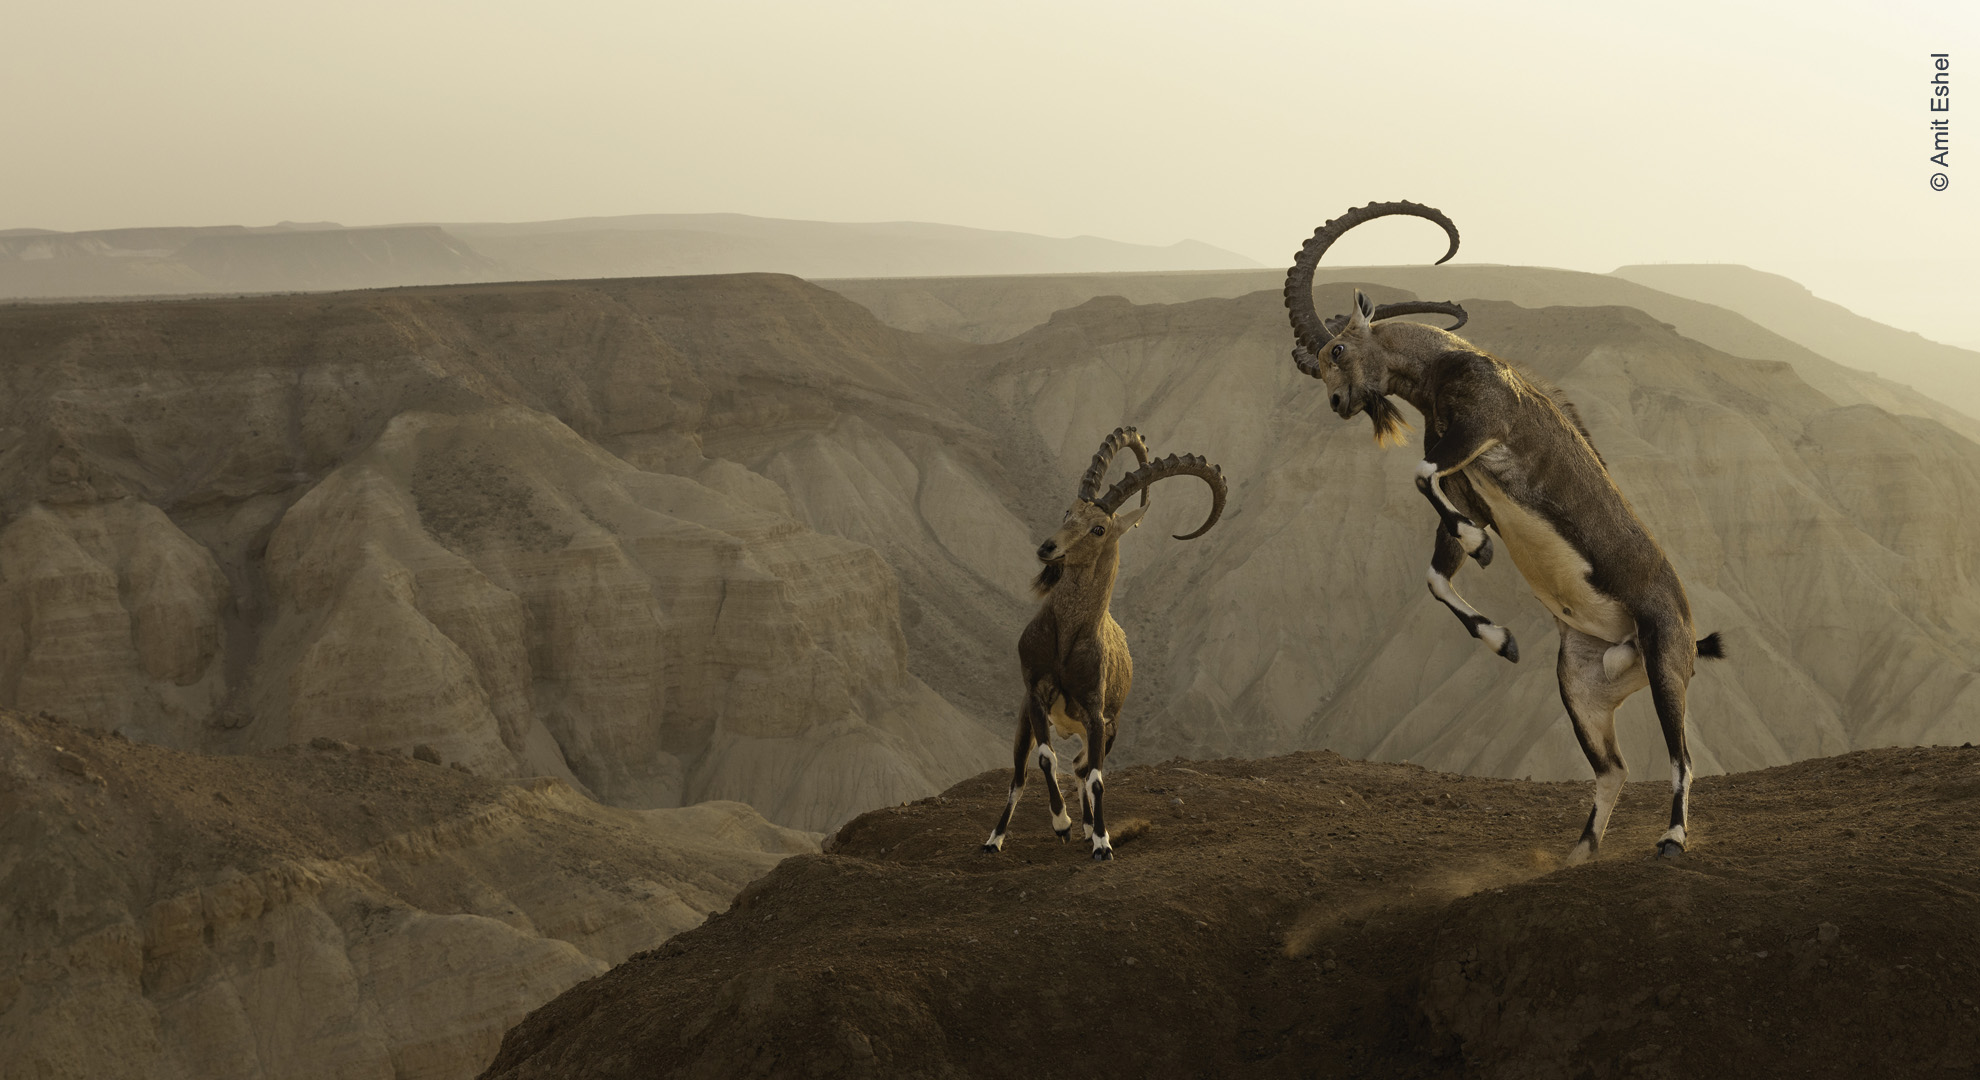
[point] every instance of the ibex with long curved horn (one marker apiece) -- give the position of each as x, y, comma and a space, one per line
1075, 658
1505, 451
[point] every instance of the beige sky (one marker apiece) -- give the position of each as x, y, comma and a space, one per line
1788, 136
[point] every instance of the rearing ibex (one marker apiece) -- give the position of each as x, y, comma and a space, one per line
1505, 451
1075, 658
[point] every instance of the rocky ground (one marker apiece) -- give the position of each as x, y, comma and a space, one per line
1313, 916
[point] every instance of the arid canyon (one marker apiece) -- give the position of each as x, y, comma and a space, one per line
378, 666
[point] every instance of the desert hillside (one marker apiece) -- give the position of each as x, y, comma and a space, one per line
1837, 353
1311, 916
1945, 372
669, 566
732, 537
1818, 536
480, 519
318, 910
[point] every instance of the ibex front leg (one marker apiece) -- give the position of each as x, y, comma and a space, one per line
1446, 456
1444, 565
1032, 732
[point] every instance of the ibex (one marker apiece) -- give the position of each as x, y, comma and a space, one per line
1505, 451
1075, 658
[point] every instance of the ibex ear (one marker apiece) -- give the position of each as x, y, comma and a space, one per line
1364, 310
1128, 519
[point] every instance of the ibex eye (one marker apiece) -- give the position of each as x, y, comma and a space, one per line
1099, 530
1338, 350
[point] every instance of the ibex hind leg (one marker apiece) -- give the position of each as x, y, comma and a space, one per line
1591, 695
1021, 755
1085, 806
1093, 784
1668, 661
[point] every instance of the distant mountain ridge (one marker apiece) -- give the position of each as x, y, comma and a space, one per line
232, 259
321, 256
1946, 373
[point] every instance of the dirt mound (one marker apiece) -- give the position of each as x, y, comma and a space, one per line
1313, 916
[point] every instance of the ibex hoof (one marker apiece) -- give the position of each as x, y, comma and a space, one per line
1064, 834
992, 849
1105, 854
1483, 556
1510, 650
1670, 849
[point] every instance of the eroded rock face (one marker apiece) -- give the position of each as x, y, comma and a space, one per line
402, 525
310, 913
112, 615
1799, 527
503, 590
651, 535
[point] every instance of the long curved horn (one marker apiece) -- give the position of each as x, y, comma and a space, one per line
1185, 465
1339, 323
1103, 459
1308, 332
1420, 307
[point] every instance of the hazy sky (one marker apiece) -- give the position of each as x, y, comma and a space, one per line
1788, 136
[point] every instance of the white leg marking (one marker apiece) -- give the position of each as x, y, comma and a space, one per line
1681, 791
1101, 842
1440, 587
997, 834
1492, 634
1471, 536
1049, 762
1428, 471
1619, 659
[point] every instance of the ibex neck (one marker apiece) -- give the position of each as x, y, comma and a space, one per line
1411, 348
1082, 595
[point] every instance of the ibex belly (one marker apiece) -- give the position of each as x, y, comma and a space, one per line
1557, 573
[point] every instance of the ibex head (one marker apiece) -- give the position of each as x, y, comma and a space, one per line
1344, 351
1094, 524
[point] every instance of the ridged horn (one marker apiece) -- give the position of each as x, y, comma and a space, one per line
1103, 459
1308, 332
1173, 465
1338, 323
1420, 307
